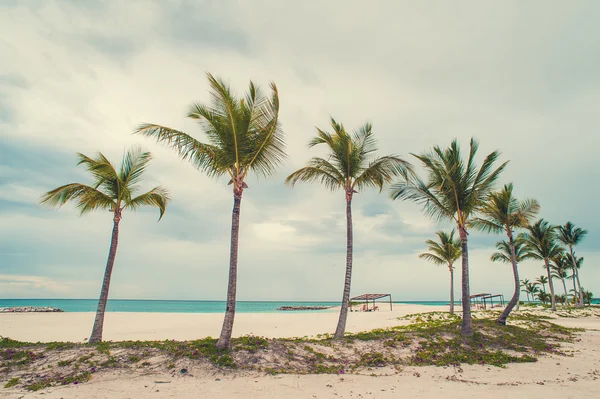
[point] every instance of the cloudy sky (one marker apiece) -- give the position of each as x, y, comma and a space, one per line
78, 76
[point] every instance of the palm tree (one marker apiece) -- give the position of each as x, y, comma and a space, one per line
560, 266
523, 282
113, 191
542, 280
531, 290
444, 252
588, 297
540, 243
243, 136
502, 212
570, 236
543, 297
350, 166
454, 190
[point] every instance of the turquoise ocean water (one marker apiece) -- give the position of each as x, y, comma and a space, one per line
130, 305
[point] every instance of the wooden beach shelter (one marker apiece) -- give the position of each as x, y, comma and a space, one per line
481, 300
371, 297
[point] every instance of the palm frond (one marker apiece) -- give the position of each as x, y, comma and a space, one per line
205, 157
86, 197
319, 170
157, 197
381, 171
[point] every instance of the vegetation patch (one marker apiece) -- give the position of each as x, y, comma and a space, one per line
427, 339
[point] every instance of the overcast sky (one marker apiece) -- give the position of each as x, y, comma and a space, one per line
78, 76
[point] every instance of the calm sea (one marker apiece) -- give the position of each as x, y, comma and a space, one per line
127, 305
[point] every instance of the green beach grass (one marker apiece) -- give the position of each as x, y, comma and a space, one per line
431, 339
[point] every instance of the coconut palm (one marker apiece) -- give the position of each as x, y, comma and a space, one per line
350, 166
454, 191
113, 191
542, 280
444, 252
568, 264
502, 212
560, 269
523, 282
244, 137
531, 290
571, 236
503, 253
541, 244
543, 297
588, 297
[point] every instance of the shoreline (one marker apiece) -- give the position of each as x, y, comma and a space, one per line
123, 326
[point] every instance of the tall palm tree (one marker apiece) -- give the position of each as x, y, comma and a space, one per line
454, 190
244, 136
113, 191
541, 244
445, 252
571, 236
502, 212
560, 269
350, 166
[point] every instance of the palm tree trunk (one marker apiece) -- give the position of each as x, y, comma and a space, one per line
565, 288
227, 329
574, 289
112, 253
576, 273
467, 321
341, 326
451, 289
551, 285
515, 298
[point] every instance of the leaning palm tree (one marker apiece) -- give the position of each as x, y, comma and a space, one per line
541, 244
570, 236
502, 212
113, 191
244, 136
445, 252
454, 191
542, 280
349, 167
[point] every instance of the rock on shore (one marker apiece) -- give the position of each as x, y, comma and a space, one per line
30, 309
304, 307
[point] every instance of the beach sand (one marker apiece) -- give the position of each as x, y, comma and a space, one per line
563, 377
75, 327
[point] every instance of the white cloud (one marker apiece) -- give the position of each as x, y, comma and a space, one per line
521, 78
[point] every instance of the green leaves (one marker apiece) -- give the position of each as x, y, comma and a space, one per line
453, 190
243, 134
111, 190
349, 165
540, 241
502, 211
570, 235
445, 251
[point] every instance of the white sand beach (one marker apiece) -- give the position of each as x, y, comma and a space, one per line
75, 327
563, 377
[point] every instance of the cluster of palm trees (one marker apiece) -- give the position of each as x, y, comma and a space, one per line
539, 241
244, 136
562, 269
